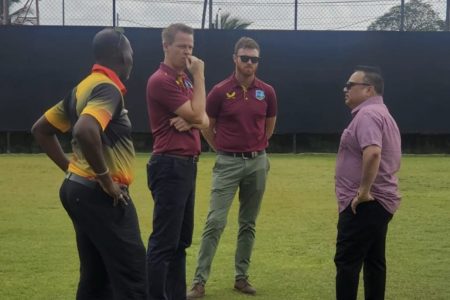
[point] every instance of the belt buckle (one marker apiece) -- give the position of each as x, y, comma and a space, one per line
254, 154
243, 155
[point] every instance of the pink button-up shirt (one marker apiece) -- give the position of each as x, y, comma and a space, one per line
372, 124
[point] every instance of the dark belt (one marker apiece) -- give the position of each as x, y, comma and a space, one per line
81, 180
244, 155
194, 158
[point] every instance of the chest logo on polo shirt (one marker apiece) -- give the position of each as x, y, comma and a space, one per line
231, 95
260, 95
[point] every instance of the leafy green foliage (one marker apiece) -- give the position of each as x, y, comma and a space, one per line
419, 16
229, 22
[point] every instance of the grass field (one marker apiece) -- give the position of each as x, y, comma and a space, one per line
296, 230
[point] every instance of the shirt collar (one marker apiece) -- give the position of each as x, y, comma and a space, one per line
111, 75
165, 68
368, 101
236, 83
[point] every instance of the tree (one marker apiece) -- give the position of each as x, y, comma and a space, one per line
419, 16
228, 22
10, 2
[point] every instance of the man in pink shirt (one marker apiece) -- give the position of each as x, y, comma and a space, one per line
176, 109
242, 111
366, 186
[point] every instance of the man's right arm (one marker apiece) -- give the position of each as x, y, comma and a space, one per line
45, 135
209, 133
193, 111
87, 131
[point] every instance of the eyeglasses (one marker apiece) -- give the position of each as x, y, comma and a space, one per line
351, 84
245, 59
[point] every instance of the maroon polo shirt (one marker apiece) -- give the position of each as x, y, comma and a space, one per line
241, 114
166, 92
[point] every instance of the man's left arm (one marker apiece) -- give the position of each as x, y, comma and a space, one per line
270, 126
271, 114
182, 125
370, 164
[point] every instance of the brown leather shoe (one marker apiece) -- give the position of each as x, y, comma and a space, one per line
243, 286
197, 291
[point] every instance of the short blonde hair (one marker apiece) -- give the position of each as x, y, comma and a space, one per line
168, 33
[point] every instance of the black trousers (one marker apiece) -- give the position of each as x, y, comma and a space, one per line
111, 251
361, 240
172, 184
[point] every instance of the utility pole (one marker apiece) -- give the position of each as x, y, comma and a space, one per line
5, 12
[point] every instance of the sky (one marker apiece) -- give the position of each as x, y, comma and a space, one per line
264, 14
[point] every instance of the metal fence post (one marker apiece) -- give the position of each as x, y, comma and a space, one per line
37, 12
205, 4
296, 15
210, 14
447, 16
402, 16
5, 12
114, 13
294, 143
8, 142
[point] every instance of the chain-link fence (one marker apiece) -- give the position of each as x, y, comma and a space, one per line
424, 15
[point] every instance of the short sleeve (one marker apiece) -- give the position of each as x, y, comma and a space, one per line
58, 118
213, 103
104, 101
369, 130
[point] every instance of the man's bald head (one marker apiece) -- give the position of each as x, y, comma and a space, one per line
113, 50
107, 45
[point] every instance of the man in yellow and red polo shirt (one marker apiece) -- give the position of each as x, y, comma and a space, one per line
176, 108
242, 111
95, 191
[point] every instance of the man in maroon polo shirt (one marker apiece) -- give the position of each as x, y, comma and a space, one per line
366, 186
176, 109
242, 111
